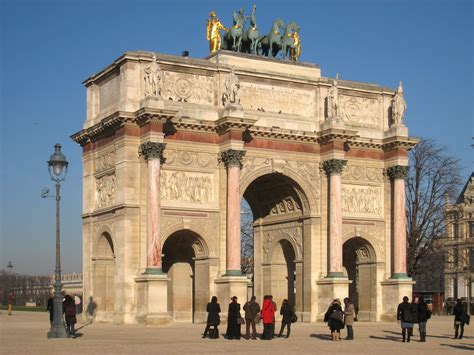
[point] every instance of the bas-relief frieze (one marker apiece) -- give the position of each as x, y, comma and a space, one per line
190, 159
188, 187
362, 173
104, 161
277, 99
362, 200
105, 191
359, 110
188, 87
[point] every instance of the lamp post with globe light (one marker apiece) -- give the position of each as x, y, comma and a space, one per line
57, 166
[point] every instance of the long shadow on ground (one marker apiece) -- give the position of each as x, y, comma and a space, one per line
387, 337
462, 346
321, 336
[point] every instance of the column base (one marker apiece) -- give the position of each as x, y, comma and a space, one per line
152, 295
400, 276
233, 273
58, 331
393, 291
330, 289
336, 275
153, 271
229, 286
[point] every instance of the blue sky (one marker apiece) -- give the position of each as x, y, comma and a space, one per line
49, 47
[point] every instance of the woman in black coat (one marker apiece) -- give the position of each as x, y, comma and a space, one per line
423, 314
69, 309
287, 312
213, 317
460, 316
334, 317
233, 326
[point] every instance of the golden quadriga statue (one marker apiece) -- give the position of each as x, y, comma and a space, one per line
214, 26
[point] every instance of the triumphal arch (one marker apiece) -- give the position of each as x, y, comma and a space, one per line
171, 146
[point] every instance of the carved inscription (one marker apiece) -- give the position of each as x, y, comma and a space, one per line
276, 99
358, 199
105, 191
359, 109
187, 187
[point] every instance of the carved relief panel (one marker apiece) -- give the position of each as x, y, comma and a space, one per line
190, 159
362, 200
360, 110
105, 191
104, 162
189, 88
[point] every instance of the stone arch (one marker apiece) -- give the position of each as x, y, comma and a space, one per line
367, 237
104, 275
186, 261
360, 262
201, 247
107, 230
306, 192
286, 237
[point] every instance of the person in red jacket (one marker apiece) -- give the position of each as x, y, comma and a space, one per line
267, 315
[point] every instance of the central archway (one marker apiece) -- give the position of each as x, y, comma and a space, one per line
185, 259
278, 206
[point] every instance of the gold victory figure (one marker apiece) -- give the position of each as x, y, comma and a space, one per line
214, 26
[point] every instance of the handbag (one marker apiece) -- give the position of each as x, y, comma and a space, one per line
465, 318
294, 318
240, 321
337, 315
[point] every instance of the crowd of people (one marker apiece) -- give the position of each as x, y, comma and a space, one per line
71, 306
336, 317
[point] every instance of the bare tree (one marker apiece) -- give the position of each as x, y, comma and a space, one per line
433, 173
246, 234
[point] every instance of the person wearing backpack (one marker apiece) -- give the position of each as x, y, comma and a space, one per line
69, 309
424, 314
288, 314
407, 315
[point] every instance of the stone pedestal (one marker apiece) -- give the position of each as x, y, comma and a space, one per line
229, 286
393, 291
397, 131
152, 305
333, 122
329, 289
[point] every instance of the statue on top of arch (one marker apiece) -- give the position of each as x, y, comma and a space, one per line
280, 39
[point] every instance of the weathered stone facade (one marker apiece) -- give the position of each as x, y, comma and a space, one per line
167, 159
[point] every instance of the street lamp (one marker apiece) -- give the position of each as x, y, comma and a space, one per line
10, 268
57, 166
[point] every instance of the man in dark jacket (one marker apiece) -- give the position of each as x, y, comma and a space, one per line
406, 314
213, 317
252, 309
460, 316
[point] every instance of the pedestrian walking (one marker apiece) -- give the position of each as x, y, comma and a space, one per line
50, 309
78, 303
213, 319
406, 314
252, 310
424, 313
267, 316
349, 315
11, 301
234, 320
334, 317
288, 313
460, 318
69, 309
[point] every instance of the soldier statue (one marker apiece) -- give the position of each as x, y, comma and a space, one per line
232, 86
152, 78
333, 100
398, 106
214, 26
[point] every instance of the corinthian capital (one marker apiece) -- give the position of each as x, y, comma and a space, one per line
232, 157
397, 172
152, 150
334, 166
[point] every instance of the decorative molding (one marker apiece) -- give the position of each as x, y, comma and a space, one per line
152, 150
397, 172
187, 158
334, 166
359, 110
188, 88
232, 157
363, 173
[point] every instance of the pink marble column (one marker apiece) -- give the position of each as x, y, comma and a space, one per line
233, 161
153, 154
334, 169
398, 174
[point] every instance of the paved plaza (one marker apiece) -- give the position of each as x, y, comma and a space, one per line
25, 333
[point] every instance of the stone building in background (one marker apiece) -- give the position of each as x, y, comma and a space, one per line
171, 145
459, 244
